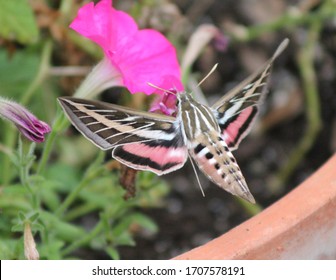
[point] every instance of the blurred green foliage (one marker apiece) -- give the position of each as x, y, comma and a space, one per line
17, 21
74, 204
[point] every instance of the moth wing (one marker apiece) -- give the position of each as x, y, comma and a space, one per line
144, 141
238, 109
155, 155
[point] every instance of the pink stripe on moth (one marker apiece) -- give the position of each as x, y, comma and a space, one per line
160, 155
231, 132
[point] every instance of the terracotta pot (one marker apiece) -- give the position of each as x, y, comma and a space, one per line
301, 225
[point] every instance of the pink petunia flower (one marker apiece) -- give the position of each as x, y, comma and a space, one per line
166, 101
31, 127
133, 57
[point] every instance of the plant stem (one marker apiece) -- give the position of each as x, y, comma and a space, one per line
41, 74
86, 239
70, 198
306, 66
60, 123
6, 171
80, 211
24, 168
90, 175
288, 20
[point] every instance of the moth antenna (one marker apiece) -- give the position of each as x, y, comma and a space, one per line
207, 76
198, 180
162, 89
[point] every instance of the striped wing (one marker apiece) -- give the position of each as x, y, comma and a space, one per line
143, 141
237, 110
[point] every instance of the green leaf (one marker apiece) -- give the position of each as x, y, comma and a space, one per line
37, 227
12, 199
125, 239
134, 218
33, 217
17, 21
17, 72
64, 174
11, 249
51, 249
48, 196
22, 217
144, 221
60, 229
17, 228
113, 253
5, 224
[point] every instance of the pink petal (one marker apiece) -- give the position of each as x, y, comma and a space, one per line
141, 57
164, 104
148, 58
166, 101
104, 25
171, 83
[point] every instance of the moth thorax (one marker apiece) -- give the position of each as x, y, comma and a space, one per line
185, 100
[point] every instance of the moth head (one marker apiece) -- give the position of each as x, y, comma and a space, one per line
183, 100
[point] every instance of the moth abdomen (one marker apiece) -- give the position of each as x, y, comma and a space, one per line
217, 162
